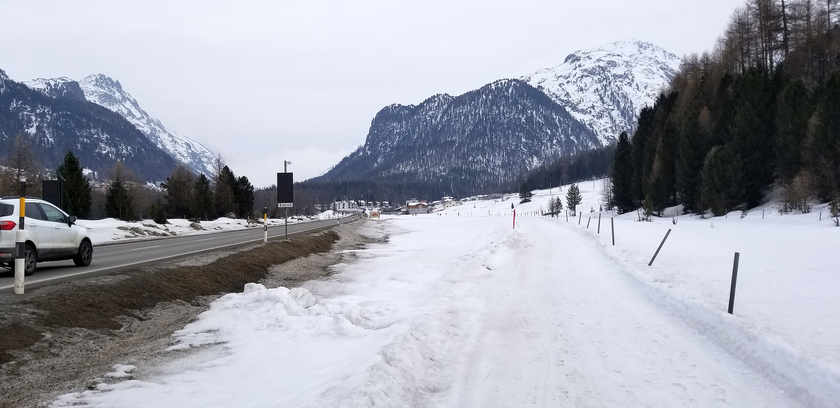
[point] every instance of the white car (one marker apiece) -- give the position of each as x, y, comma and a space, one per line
49, 233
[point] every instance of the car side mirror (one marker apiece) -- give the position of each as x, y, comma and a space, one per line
71, 221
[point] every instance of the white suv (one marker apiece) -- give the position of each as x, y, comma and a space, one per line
49, 234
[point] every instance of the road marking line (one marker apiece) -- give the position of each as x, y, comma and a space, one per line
145, 248
70, 275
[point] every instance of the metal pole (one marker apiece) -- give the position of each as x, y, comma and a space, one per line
287, 222
612, 227
580, 216
734, 279
660, 247
588, 221
20, 245
599, 223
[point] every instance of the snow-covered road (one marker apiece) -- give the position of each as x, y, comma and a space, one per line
450, 312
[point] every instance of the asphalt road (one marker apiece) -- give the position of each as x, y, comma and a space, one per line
108, 258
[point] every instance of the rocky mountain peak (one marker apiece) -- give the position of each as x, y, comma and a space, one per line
606, 87
61, 87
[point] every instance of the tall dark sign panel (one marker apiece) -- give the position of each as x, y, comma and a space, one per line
285, 193
52, 192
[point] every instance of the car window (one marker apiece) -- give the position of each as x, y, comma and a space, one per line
53, 214
6, 210
33, 212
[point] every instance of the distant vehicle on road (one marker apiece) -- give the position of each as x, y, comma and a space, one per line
49, 233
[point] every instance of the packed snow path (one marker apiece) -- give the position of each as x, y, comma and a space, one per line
569, 329
449, 312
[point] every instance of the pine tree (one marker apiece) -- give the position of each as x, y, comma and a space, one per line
752, 133
223, 195
573, 198
622, 176
244, 197
179, 193
690, 155
118, 203
792, 113
722, 188
835, 208
202, 199
157, 211
641, 139
76, 195
823, 144
119, 198
558, 205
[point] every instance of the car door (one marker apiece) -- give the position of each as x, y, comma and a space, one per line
63, 237
39, 230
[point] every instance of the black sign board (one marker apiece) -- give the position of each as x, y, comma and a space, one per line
52, 191
285, 193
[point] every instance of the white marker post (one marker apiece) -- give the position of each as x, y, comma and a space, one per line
20, 245
265, 224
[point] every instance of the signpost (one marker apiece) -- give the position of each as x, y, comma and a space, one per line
285, 193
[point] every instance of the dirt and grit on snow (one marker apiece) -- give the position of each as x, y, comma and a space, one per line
458, 309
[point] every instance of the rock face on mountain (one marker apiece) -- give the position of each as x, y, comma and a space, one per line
482, 139
55, 125
109, 93
61, 87
606, 88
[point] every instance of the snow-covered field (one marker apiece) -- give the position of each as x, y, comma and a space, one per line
458, 309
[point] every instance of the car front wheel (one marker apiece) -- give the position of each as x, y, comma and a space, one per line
85, 254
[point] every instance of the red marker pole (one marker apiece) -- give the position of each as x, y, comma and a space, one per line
514, 219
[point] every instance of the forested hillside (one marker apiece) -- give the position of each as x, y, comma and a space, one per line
761, 109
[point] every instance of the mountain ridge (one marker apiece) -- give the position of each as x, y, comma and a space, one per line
98, 136
109, 93
492, 138
481, 139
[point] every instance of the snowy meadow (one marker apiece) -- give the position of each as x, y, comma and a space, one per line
458, 308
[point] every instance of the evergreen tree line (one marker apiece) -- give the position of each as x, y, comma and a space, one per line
582, 166
126, 196
761, 110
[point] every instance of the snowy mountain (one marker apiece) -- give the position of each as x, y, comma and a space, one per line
106, 92
55, 125
61, 87
606, 88
479, 140
489, 137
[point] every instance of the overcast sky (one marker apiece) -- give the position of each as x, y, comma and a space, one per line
264, 81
